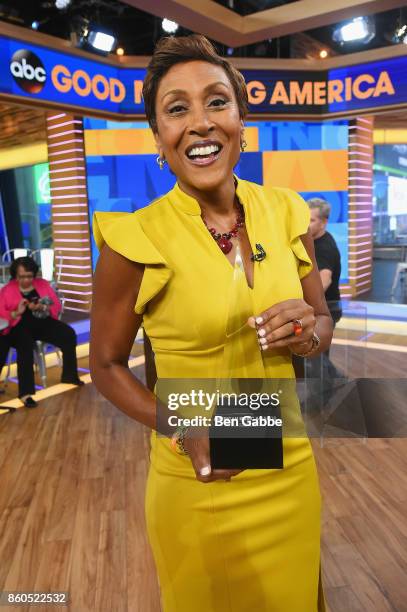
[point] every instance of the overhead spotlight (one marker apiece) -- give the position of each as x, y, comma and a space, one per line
120, 51
169, 26
360, 29
62, 4
101, 41
95, 38
323, 54
35, 25
400, 35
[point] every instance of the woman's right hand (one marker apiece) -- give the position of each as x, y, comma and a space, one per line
22, 305
197, 446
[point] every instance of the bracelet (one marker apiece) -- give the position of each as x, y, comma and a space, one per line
177, 440
315, 342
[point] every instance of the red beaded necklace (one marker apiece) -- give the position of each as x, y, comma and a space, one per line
223, 240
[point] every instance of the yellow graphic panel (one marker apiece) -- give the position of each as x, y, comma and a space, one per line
306, 170
251, 136
120, 142
25, 155
389, 136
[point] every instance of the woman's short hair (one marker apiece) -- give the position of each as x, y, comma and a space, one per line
172, 50
323, 207
27, 263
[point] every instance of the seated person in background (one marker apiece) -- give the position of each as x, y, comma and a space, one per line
31, 307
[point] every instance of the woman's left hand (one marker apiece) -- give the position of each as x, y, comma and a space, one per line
275, 327
37, 306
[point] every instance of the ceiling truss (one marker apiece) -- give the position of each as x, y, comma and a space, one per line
225, 26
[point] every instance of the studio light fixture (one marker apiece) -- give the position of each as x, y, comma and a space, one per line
35, 25
323, 53
62, 4
120, 51
360, 29
102, 41
169, 26
400, 35
95, 38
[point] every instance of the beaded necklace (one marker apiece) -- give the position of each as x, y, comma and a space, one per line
224, 240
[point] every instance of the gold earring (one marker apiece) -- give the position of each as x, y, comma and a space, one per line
243, 145
161, 161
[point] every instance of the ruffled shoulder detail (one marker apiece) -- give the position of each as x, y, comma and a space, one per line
123, 233
298, 220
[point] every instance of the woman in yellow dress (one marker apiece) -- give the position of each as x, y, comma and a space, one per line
223, 540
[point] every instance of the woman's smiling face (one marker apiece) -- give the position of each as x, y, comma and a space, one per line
199, 128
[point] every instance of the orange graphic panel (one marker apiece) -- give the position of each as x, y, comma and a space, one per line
120, 142
136, 141
306, 170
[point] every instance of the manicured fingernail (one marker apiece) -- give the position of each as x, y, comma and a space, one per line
205, 471
264, 347
259, 320
263, 341
261, 332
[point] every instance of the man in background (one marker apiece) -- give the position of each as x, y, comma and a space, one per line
327, 255
322, 374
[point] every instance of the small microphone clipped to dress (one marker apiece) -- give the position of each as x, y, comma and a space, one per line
260, 255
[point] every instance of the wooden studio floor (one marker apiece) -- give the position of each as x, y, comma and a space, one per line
73, 475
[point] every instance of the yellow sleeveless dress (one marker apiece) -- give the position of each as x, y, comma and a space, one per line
252, 544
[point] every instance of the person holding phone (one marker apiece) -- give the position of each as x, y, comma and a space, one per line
224, 540
31, 308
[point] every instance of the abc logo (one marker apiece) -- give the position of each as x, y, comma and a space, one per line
28, 71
